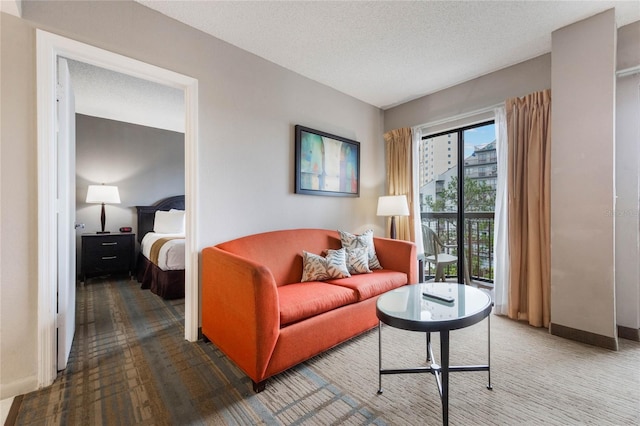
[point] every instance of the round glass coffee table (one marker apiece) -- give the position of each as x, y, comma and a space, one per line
434, 307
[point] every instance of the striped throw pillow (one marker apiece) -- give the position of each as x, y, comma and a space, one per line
351, 241
318, 268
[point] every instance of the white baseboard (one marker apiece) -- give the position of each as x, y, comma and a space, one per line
19, 387
5, 406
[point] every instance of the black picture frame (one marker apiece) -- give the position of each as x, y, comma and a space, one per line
326, 164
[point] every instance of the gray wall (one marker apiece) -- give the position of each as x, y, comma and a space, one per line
482, 92
582, 176
146, 164
18, 208
247, 111
628, 55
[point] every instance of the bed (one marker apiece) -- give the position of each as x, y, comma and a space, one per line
161, 260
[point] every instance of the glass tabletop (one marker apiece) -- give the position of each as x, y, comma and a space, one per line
409, 308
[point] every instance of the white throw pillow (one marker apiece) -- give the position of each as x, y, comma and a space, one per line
318, 268
351, 241
358, 261
169, 222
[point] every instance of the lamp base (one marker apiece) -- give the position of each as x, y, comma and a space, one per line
392, 232
103, 218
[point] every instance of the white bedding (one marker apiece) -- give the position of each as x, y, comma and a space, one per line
171, 256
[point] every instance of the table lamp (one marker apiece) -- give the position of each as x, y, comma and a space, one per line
393, 205
103, 194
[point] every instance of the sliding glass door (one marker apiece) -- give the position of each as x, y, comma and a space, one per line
458, 176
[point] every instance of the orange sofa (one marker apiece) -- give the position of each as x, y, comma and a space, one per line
256, 310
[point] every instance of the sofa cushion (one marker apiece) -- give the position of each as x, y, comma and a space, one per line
299, 301
319, 268
374, 284
351, 241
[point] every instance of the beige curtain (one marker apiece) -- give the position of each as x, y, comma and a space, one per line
399, 161
529, 145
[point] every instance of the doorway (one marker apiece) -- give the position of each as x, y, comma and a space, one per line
49, 48
458, 179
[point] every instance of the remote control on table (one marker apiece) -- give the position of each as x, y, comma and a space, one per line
443, 298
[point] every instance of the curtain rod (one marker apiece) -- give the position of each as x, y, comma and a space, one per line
628, 71
458, 117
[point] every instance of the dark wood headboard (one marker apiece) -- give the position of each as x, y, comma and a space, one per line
146, 214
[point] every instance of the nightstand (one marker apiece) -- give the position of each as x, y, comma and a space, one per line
104, 254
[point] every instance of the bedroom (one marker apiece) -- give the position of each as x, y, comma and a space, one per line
129, 134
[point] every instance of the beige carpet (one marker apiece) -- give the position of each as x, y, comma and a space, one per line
131, 365
537, 379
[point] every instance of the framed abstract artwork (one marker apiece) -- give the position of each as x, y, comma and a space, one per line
326, 164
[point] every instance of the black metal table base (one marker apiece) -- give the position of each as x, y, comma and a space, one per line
441, 372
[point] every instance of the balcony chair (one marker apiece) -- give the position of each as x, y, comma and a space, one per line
436, 252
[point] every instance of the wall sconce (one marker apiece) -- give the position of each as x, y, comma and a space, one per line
103, 194
393, 205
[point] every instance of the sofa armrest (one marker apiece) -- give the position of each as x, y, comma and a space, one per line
240, 309
398, 255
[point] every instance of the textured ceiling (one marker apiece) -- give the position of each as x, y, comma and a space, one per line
115, 96
381, 52
388, 52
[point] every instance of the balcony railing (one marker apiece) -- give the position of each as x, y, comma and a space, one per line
480, 160
478, 241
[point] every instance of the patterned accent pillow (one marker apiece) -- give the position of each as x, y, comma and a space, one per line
358, 261
318, 268
351, 241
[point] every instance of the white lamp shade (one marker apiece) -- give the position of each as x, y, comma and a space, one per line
103, 194
393, 205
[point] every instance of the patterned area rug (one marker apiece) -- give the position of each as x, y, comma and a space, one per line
131, 365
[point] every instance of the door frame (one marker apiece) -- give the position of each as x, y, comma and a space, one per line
48, 47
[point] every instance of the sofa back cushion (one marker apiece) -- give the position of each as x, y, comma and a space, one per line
281, 251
